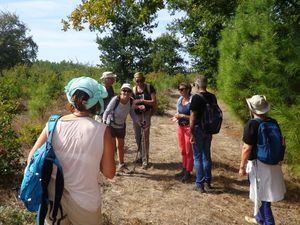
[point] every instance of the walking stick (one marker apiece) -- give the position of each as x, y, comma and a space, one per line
141, 144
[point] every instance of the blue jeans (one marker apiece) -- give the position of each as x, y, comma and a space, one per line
265, 215
202, 157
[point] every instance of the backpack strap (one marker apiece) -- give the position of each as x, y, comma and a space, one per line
46, 174
202, 97
116, 103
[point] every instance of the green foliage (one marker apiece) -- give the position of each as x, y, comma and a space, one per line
101, 13
16, 216
29, 133
288, 120
163, 83
15, 46
201, 27
259, 54
34, 90
164, 55
9, 146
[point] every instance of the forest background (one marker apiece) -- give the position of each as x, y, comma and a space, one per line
245, 47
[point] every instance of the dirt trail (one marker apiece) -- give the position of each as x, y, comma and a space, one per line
154, 196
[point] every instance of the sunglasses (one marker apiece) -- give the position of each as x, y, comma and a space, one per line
181, 89
139, 81
126, 90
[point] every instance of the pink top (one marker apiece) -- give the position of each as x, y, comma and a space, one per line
78, 144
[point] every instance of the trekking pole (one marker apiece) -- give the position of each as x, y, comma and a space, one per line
140, 145
136, 157
143, 139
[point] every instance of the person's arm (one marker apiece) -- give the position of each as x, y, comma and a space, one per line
107, 164
246, 151
40, 141
193, 117
182, 116
133, 115
108, 109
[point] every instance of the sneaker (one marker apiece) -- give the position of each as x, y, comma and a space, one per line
251, 220
122, 168
180, 174
187, 176
199, 189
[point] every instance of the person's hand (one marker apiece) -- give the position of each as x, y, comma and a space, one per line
174, 119
242, 171
177, 116
139, 101
192, 139
141, 107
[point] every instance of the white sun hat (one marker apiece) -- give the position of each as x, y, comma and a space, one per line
258, 104
108, 74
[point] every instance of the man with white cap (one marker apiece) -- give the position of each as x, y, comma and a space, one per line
108, 78
266, 180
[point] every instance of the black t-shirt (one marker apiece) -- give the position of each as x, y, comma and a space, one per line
145, 94
198, 103
250, 134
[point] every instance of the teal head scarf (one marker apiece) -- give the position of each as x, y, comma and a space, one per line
90, 86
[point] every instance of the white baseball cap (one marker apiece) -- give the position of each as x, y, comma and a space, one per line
126, 85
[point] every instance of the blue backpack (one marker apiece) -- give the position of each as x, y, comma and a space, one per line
33, 191
270, 147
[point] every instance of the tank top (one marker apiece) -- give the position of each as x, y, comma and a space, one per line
183, 109
78, 144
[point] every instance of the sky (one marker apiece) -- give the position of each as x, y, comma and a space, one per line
43, 19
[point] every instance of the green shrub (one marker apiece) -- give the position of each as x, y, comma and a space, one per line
16, 216
10, 152
29, 133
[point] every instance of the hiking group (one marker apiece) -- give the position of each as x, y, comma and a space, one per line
83, 143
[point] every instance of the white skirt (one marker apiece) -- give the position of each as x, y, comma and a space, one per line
266, 183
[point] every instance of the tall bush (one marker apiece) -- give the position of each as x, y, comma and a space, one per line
260, 54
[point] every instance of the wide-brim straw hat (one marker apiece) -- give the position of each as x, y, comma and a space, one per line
258, 104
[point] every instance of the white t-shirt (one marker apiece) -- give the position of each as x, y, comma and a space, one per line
78, 144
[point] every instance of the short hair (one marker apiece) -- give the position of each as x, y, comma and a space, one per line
201, 81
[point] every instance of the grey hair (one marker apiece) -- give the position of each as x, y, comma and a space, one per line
201, 81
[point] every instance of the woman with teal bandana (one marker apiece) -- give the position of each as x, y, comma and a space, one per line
84, 148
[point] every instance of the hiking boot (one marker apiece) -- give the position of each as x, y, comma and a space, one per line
186, 177
208, 185
251, 220
145, 165
181, 173
199, 189
139, 160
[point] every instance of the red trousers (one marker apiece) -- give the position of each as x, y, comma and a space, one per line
184, 133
